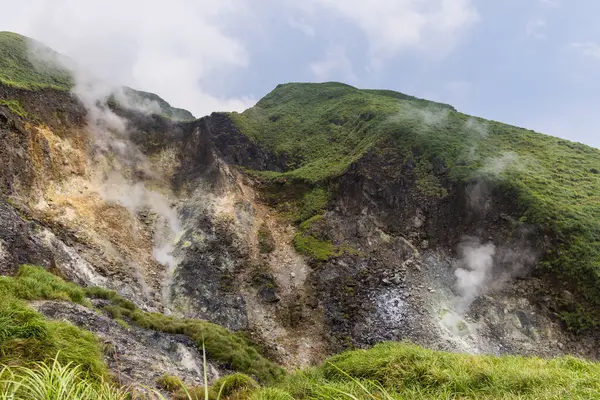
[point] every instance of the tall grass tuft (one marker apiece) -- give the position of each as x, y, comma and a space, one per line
55, 381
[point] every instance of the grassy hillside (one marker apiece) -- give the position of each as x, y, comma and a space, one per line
323, 128
144, 98
28, 64
17, 68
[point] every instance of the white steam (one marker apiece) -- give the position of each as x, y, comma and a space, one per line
431, 116
120, 158
478, 127
474, 271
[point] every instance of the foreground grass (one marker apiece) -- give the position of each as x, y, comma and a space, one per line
405, 371
26, 336
321, 129
54, 381
387, 371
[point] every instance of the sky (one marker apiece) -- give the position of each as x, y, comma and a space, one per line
529, 63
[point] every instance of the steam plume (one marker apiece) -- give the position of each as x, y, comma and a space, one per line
473, 271
118, 154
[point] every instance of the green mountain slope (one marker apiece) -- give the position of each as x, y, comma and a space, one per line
323, 128
28, 64
17, 69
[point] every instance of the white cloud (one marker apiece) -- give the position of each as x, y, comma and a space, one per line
551, 3
392, 26
167, 48
302, 26
336, 64
588, 49
536, 29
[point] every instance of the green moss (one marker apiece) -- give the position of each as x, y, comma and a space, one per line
15, 107
313, 247
170, 383
308, 242
427, 183
266, 244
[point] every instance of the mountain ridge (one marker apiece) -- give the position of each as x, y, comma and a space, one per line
29, 64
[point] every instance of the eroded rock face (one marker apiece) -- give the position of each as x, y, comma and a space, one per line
136, 356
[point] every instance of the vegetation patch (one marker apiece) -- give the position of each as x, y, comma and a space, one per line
57, 381
18, 68
15, 107
309, 242
26, 336
234, 386
28, 64
266, 243
170, 383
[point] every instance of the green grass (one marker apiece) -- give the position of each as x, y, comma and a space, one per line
234, 386
17, 69
55, 381
15, 107
555, 183
170, 383
406, 371
26, 336
388, 371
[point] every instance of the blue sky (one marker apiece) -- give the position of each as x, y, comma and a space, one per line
530, 63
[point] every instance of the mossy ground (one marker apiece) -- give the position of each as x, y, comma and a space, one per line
554, 183
309, 242
15, 107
